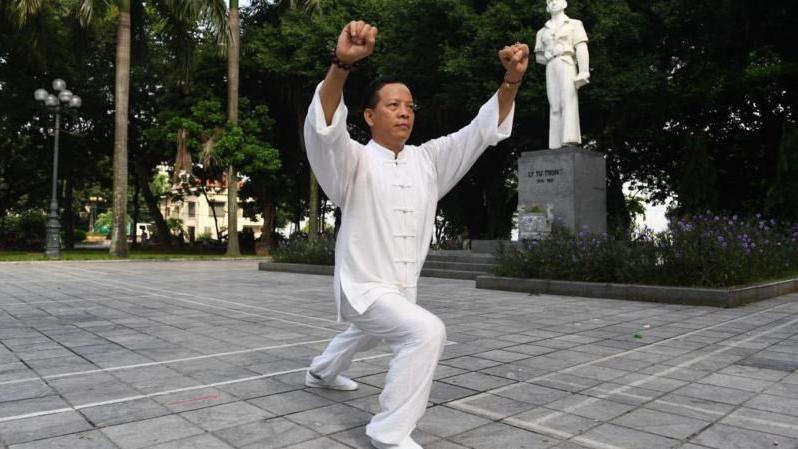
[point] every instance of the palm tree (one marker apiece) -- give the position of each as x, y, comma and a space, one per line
233, 49
185, 11
121, 106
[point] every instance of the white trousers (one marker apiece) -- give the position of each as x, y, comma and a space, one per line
416, 337
563, 103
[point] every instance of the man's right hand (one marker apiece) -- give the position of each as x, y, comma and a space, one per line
356, 42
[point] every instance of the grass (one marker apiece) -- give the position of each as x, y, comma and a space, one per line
102, 254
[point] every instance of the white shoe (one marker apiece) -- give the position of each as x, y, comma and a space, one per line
339, 383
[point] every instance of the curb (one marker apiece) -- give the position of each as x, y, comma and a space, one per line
714, 297
174, 259
299, 268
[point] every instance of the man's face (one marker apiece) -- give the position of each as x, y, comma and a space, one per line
554, 6
391, 120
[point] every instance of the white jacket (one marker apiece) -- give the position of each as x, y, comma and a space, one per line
388, 202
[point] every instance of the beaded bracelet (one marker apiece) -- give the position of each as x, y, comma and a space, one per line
337, 62
512, 83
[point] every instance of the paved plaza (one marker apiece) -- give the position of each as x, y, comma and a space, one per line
211, 354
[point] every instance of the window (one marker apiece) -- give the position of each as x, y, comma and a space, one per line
192, 209
192, 232
218, 207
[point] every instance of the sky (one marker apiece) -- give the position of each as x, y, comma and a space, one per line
655, 215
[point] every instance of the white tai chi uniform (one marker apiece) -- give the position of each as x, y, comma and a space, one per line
388, 204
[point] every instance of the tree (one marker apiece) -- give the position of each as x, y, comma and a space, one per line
692, 99
245, 145
121, 106
781, 199
187, 11
38, 42
233, 49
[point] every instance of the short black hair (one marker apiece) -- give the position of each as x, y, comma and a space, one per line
372, 95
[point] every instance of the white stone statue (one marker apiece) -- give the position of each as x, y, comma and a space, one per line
562, 47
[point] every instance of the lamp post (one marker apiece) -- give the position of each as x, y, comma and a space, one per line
62, 100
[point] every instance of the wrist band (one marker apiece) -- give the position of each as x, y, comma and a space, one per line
337, 62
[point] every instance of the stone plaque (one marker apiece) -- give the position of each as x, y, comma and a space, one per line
533, 226
572, 180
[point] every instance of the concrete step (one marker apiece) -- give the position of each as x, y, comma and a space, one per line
449, 274
459, 266
460, 257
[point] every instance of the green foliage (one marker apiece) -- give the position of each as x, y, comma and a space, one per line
693, 99
25, 230
105, 220
79, 235
160, 183
302, 250
782, 197
705, 250
175, 226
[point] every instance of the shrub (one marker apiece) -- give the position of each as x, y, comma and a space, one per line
79, 235
302, 250
246, 240
24, 231
703, 250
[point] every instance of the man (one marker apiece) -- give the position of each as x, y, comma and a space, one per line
560, 46
388, 193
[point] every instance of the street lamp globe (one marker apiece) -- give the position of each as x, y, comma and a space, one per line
59, 84
51, 100
65, 96
40, 94
75, 102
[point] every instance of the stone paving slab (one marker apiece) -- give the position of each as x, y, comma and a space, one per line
211, 354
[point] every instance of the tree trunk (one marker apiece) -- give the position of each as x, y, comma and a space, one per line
121, 99
183, 162
69, 213
266, 239
313, 201
232, 213
136, 191
337, 215
313, 213
233, 42
152, 202
213, 212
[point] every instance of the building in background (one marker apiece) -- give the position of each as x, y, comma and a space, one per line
205, 218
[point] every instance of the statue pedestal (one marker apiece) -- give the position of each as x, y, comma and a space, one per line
571, 180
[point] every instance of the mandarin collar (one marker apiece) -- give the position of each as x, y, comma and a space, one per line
385, 153
550, 22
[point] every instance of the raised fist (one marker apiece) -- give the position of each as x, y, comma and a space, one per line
356, 42
515, 59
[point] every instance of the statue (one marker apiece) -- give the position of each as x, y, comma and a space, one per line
561, 45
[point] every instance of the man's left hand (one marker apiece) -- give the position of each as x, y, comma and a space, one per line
515, 59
